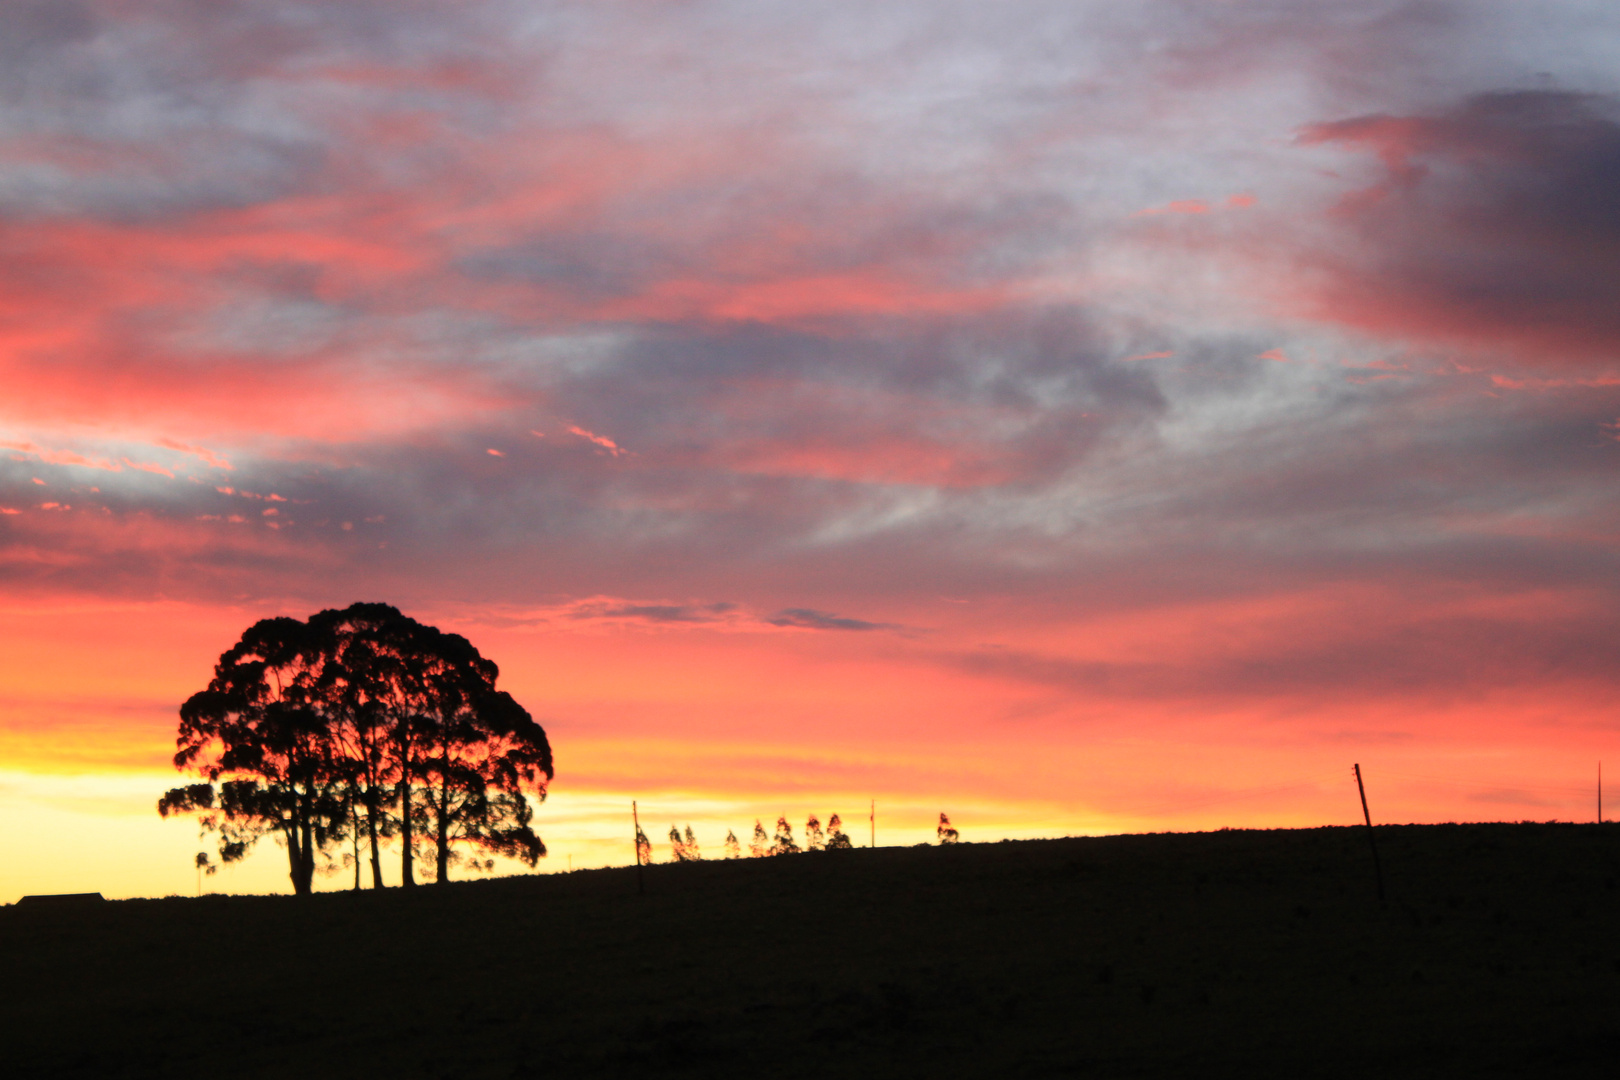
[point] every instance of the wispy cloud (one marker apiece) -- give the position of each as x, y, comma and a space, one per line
810, 619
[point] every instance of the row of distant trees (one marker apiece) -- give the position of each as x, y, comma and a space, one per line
355, 727
684, 848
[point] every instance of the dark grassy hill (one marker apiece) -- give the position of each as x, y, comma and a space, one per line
1215, 954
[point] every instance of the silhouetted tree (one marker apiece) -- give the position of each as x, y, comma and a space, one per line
761, 843
643, 848
204, 866
733, 847
306, 727
366, 687
813, 838
947, 835
419, 710
257, 732
482, 754
685, 850
783, 844
836, 839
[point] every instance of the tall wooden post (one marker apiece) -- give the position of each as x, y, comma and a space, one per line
1378, 868
872, 819
641, 881
1600, 793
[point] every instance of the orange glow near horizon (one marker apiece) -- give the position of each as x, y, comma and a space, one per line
1018, 418
717, 729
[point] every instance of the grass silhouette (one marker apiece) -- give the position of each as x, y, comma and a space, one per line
1236, 953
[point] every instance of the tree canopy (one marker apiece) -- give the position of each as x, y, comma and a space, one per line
361, 721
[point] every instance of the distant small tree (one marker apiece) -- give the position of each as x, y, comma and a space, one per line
783, 844
643, 848
837, 840
814, 839
204, 866
733, 847
947, 835
685, 850
761, 843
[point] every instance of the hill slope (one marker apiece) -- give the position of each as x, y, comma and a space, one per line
1230, 953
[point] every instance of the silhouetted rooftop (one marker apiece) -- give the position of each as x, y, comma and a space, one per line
72, 899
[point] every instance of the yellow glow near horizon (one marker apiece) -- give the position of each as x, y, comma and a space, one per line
759, 725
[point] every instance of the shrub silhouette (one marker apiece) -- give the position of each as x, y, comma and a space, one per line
760, 845
947, 835
814, 840
733, 848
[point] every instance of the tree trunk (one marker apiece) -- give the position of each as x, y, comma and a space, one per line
444, 830
307, 869
354, 841
371, 827
295, 857
408, 878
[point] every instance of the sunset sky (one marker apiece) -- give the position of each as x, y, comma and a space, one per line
1076, 417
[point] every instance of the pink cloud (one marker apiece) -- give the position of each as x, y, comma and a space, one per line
209, 457
1491, 227
59, 457
603, 441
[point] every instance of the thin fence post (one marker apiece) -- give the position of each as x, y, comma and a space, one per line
872, 819
641, 881
1378, 868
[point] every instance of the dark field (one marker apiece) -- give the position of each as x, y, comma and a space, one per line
1214, 954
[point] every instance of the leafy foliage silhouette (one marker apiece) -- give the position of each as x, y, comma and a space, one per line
837, 839
361, 719
760, 845
733, 848
814, 839
783, 843
643, 848
684, 850
947, 835
256, 733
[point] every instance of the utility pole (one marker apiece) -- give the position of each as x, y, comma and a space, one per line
872, 818
1600, 793
1371, 839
